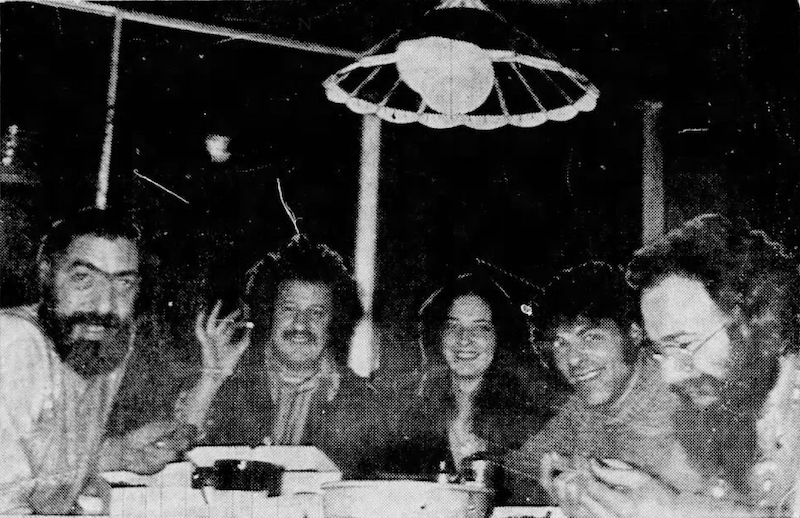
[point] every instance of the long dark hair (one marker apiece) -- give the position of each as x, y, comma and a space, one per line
500, 401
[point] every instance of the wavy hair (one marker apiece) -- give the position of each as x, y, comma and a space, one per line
752, 278
501, 398
594, 290
301, 260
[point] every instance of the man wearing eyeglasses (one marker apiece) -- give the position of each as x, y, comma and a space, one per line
61, 363
719, 302
619, 409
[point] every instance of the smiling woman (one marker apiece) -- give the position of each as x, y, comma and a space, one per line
470, 403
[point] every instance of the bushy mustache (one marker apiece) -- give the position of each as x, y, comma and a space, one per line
288, 335
109, 321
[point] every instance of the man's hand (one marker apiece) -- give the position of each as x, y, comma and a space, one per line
552, 465
216, 335
150, 448
626, 492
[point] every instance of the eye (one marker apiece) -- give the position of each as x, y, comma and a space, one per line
318, 312
594, 336
81, 278
450, 329
126, 283
559, 344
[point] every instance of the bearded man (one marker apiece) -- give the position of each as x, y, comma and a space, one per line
61, 363
719, 303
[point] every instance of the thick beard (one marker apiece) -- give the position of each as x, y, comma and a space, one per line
88, 358
722, 441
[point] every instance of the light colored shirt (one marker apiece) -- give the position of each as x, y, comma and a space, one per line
51, 419
637, 428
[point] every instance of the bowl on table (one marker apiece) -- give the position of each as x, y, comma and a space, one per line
404, 498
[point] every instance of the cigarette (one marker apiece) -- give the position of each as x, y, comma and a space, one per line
248, 325
205, 492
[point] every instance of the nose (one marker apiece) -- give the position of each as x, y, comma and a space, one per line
463, 336
300, 320
105, 298
677, 369
574, 353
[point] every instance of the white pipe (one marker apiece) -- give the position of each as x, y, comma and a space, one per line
202, 28
652, 172
363, 356
101, 199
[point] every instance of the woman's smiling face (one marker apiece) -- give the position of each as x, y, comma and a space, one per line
468, 337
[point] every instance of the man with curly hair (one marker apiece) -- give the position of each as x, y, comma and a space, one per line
619, 408
286, 383
719, 303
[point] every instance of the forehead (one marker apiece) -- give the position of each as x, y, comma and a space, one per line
470, 307
305, 291
678, 304
581, 324
111, 255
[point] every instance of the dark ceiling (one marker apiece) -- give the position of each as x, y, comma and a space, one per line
528, 200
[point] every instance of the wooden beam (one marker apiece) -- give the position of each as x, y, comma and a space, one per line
103, 175
652, 171
363, 354
201, 28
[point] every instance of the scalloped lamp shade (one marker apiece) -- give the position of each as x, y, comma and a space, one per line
462, 66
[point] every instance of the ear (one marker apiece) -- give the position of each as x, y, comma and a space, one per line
45, 272
636, 333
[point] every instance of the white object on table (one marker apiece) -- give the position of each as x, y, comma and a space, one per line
169, 493
528, 512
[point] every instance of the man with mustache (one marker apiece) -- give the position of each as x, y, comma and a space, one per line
719, 302
286, 383
619, 407
61, 363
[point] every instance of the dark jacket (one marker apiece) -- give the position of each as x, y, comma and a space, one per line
346, 429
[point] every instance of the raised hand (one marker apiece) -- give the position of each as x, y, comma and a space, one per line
218, 339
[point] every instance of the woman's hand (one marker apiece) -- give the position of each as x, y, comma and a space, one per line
216, 336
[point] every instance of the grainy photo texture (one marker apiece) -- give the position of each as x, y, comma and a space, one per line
426, 258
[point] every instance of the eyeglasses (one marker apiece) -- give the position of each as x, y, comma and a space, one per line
687, 348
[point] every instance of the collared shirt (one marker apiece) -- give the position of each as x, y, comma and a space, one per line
51, 419
293, 398
636, 428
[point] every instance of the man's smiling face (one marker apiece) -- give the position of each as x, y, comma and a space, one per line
301, 323
92, 294
591, 356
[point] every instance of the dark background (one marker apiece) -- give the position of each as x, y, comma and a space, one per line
530, 201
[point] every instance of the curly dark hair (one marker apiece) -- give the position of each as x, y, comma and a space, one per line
740, 267
110, 223
90, 221
303, 260
753, 278
594, 290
